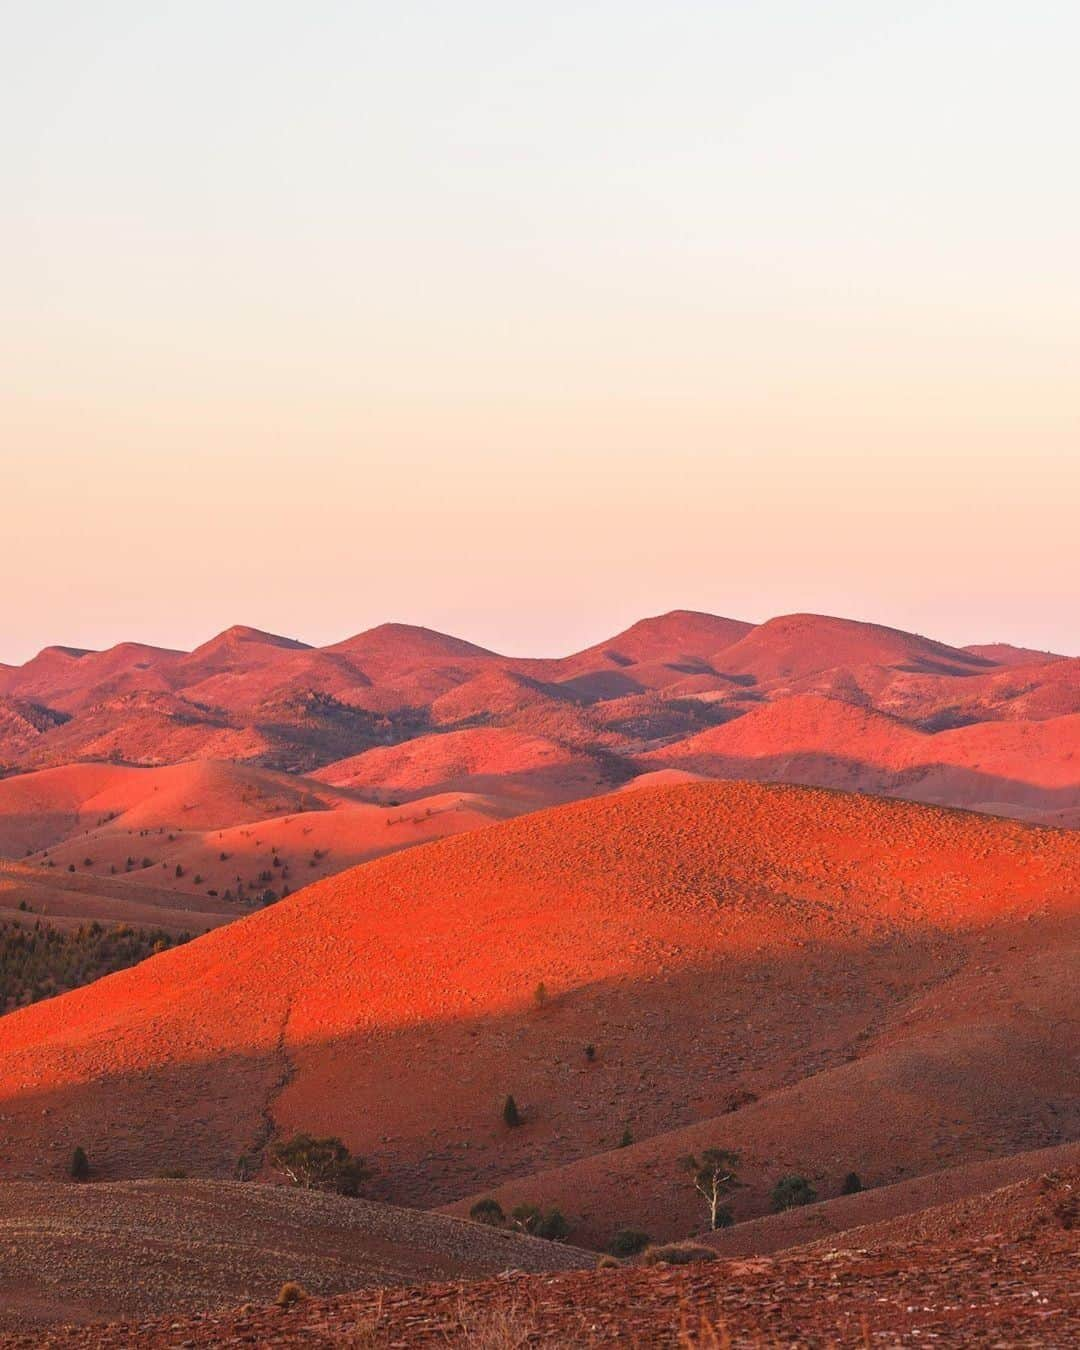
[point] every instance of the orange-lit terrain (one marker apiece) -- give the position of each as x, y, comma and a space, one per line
707, 886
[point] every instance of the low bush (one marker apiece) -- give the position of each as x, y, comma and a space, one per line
628, 1242
489, 1212
678, 1254
533, 1220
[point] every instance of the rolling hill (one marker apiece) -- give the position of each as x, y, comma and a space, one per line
776, 967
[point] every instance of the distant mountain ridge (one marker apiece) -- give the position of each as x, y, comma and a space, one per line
640, 700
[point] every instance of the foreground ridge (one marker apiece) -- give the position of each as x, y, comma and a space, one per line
1007, 1278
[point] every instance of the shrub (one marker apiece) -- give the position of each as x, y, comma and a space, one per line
511, 1114
628, 1242
852, 1184
792, 1191
678, 1254
489, 1212
79, 1164
540, 995
608, 1263
553, 1226
532, 1219
526, 1217
290, 1293
319, 1164
590, 1053
627, 1138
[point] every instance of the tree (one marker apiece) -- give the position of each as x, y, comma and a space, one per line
79, 1166
714, 1177
791, 1191
852, 1184
511, 1114
319, 1164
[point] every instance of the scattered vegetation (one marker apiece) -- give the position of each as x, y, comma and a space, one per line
792, 1191
79, 1164
852, 1184
41, 961
319, 1164
714, 1177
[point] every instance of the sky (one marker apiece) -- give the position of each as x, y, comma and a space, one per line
524, 321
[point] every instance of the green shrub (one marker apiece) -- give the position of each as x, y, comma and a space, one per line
852, 1184
79, 1164
511, 1115
792, 1191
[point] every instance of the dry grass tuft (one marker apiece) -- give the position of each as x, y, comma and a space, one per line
677, 1254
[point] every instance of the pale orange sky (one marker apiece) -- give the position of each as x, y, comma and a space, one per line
317, 318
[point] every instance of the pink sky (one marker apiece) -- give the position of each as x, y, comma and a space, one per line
523, 325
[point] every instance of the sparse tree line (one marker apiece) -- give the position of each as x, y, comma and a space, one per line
40, 961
